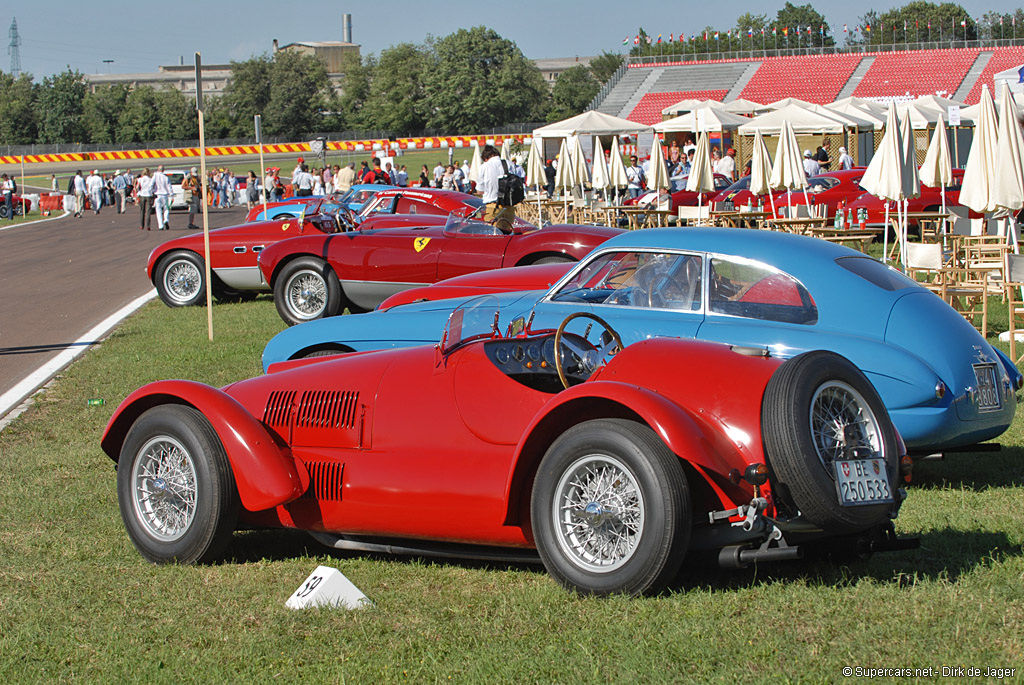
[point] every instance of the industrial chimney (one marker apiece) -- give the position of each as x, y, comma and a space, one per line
275, 45
346, 28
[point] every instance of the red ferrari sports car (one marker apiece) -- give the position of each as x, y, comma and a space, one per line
318, 274
177, 271
488, 445
930, 200
680, 198
830, 188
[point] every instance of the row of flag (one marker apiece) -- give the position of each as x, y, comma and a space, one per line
785, 31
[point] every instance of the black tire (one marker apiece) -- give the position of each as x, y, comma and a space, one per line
801, 466
554, 259
3, 211
306, 289
283, 216
321, 351
171, 458
655, 489
180, 279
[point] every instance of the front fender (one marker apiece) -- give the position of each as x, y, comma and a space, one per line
682, 432
572, 241
266, 475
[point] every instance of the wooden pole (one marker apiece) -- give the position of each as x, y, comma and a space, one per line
206, 212
263, 172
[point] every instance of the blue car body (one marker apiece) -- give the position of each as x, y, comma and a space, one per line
943, 384
354, 198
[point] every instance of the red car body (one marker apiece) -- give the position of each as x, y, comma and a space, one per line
537, 276
681, 198
466, 441
930, 200
830, 188
318, 275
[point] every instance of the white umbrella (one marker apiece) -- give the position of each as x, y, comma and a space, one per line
761, 170
600, 179
884, 176
976, 191
474, 165
535, 173
937, 169
506, 149
1009, 179
788, 167
911, 183
657, 179
617, 173
702, 177
579, 161
564, 178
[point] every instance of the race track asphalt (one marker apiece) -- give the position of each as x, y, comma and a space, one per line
59, 278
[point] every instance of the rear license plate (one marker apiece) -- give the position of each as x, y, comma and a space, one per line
862, 481
988, 387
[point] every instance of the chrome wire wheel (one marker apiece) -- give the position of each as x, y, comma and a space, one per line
164, 488
598, 513
306, 293
182, 280
843, 424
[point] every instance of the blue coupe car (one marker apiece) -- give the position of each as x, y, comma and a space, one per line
354, 199
943, 384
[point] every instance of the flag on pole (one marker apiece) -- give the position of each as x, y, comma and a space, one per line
929, 24
963, 23
705, 35
822, 30
670, 37
785, 31
636, 39
808, 30
648, 40
659, 39
904, 26
845, 30
750, 32
625, 41
716, 35
867, 28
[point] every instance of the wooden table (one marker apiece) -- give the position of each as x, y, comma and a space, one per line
798, 225
640, 217
738, 219
860, 237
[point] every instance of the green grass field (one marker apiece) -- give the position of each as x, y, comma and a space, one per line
77, 603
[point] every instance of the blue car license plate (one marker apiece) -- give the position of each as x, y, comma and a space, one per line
862, 481
988, 387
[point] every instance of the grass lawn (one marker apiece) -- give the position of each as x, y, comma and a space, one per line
77, 603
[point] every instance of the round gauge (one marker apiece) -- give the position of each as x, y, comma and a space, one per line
518, 353
549, 350
502, 355
533, 352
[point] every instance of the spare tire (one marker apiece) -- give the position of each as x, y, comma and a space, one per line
816, 407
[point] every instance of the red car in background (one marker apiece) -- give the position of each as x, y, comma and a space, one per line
930, 200
680, 198
19, 205
320, 274
830, 188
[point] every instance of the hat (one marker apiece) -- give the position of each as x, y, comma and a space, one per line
807, 153
842, 149
96, 171
301, 160
193, 170
117, 173
730, 151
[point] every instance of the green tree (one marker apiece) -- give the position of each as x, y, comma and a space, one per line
605, 65
395, 101
248, 94
916, 16
298, 90
347, 102
101, 111
177, 118
798, 18
140, 117
60, 108
479, 80
572, 92
17, 110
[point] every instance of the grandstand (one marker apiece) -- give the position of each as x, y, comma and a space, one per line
647, 88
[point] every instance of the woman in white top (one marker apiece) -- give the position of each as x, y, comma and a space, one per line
144, 198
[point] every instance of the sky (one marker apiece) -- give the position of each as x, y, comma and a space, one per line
140, 37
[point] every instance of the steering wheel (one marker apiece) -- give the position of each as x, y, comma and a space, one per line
668, 287
590, 359
345, 219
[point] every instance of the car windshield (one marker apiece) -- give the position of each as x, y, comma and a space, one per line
820, 183
459, 225
742, 184
650, 280
473, 320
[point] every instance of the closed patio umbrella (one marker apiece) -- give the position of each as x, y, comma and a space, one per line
474, 165
761, 170
702, 178
599, 178
617, 171
788, 169
535, 173
937, 169
506, 149
979, 174
911, 182
1009, 178
564, 178
884, 176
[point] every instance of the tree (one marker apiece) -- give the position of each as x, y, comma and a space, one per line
572, 92
298, 90
248, 94
346, 104
799, 19
396, 98
101, 111
605, 65
17, 109
888, 28
60, 108
478, 80
177, 118
139, 119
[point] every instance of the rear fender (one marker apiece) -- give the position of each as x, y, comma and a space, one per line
266, 474
688, 437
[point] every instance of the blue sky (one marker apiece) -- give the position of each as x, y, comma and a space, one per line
139, 37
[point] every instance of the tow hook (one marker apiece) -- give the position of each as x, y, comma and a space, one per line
749, 512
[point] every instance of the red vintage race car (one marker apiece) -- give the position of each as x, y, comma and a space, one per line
317, 275
490, 446
679, 198
19, 206
930, 200
831, 189
176, 267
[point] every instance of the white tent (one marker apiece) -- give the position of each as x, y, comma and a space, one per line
746, 107
591, 123
688, 105
786, 102
863, 113
876, 108
800, 119
921, 116
712, 118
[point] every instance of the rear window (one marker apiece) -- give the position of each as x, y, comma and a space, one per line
753, 290
174, 178
873, 271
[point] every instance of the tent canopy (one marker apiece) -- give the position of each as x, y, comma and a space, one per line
803, 121
591, 123
689, 105
715, 119
741, 106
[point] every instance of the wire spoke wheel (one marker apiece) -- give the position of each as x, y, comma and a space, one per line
598, 513
183, 280
842, 423
164, 488
307, 294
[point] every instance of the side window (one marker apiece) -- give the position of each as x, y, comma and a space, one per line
649, 280
754, 290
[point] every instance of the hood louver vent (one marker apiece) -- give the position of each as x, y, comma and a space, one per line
325, 480
327, 409
278, 408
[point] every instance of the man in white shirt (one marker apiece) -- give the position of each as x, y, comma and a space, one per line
438, 173
845, 160
94, 186
811, 166
490, 171
727, 165
78, 184
303, 182
162, 190
346, 177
